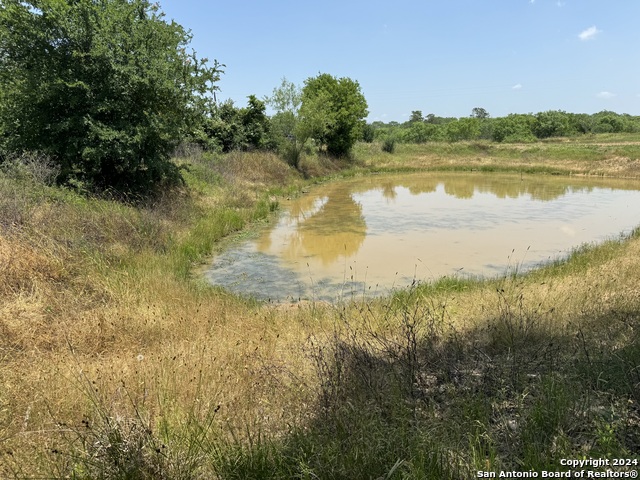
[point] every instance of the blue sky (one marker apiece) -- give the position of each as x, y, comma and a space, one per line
443, 57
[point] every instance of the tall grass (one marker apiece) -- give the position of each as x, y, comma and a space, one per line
403, 391
107, 281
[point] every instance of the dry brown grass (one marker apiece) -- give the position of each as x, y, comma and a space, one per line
84, 307
255, 170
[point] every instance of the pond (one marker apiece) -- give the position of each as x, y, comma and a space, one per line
370, 235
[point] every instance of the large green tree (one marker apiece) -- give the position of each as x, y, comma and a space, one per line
106, 88
337, 109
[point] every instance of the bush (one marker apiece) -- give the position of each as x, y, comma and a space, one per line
233, 128
368, 133
420, 132
608, 122
462, 129
513, 128
23, 178
552, 124
389, 145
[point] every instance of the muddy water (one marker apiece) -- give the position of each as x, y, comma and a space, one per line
368, 236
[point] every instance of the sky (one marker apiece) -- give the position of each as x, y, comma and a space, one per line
444, 57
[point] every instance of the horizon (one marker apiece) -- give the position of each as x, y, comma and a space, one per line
445, 58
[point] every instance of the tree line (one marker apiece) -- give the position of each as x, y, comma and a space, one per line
511, 128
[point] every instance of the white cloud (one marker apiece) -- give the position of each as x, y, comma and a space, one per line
589, 33
605, 95
516, 87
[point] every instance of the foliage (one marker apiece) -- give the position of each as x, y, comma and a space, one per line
368, 133
479, 112
513, 128
436, 120
255, 124
608, 122
328, 110
463, 129
232, 128
551, 123
289, 129
521, 128
105, 89
582, 123
416, 116
335, 110
420, 132
389, 144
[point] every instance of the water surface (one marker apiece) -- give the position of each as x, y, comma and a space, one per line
370, 235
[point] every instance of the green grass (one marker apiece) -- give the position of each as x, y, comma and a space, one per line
567, 157
609, 138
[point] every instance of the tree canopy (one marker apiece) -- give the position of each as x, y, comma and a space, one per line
328, 110
105, 88
339, 108
479, 112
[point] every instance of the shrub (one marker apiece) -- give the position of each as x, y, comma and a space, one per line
552, 124
513, 128
389, 145
368, 133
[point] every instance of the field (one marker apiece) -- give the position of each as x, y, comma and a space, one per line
118, 361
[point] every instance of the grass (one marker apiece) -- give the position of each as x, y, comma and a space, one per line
117, 362
566, 158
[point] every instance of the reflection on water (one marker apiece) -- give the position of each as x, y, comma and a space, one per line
334, 226
370, 235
